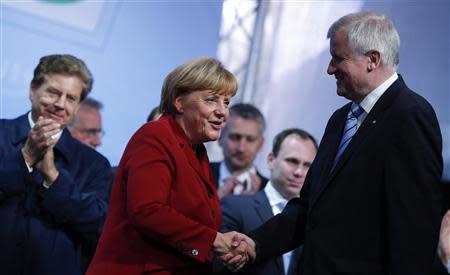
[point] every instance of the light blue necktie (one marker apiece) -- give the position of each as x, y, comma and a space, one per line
349, 130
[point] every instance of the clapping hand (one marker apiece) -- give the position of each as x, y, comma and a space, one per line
38, 149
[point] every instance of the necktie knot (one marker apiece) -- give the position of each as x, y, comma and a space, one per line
281, 205
355, 111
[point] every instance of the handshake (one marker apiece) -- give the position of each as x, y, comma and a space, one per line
234, 249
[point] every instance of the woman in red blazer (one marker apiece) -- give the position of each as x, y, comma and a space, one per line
164, 213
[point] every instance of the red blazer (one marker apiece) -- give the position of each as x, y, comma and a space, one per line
164, 211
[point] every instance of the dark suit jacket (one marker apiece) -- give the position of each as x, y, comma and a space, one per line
164, 211
215, 170
41, 229
245, 213
378, 211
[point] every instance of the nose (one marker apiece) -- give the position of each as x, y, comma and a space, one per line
331, 68
60, 102
221, 110
241, 145
301, 171
95, 141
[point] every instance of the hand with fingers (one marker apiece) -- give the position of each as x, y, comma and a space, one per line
228, 187
235, 250
38, 149
255, 185
444, 240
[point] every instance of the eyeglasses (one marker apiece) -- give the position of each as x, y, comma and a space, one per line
92, 132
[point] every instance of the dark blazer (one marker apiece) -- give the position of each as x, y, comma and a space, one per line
215, 170
244, 213
164, 211
42, 230
378, 211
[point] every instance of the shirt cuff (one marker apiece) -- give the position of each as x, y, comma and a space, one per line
30, 168
46, 184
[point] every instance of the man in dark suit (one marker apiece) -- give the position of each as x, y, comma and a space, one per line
292, 153
241, 140
371, 200
53, 189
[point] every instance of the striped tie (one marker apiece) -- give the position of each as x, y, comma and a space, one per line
349, 130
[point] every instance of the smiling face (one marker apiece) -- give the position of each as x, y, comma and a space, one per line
57, 98
202, 115
349, 68
289, 168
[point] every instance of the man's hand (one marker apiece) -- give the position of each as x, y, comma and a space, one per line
234, 249
228, 187
255, 185
444, 239
39, 140
47, 166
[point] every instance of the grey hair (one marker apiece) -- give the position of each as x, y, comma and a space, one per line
368, 31
89, 102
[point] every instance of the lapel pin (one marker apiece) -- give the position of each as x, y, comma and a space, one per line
374, 121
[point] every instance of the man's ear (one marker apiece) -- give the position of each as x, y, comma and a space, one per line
374, 60
31, 92
270, 158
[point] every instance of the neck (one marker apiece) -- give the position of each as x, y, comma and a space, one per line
235, 170
181, 123
377, 78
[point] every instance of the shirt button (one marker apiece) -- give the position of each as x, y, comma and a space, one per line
213, 213
194, 252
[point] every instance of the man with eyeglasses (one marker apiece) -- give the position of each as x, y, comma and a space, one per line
86, 126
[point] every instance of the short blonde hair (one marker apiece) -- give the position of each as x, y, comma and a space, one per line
198, 74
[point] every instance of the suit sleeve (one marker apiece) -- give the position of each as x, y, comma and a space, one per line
281, 233
150, 171
81, 208
412, 192
13, 172
231, 215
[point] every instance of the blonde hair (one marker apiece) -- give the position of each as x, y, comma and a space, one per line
198, 74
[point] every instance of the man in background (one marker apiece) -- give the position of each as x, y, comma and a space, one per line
241, 140
292, 154
86, 125
53, 189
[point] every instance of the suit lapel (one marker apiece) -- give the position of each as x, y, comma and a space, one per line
370, 123
262, 206
21, 129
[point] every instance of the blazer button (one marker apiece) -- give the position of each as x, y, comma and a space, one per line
210, 194
194, 252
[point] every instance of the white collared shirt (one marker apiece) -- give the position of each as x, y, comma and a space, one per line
274, 197
371, 99
275, 200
